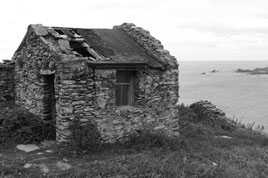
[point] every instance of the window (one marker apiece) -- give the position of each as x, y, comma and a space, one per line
124, 88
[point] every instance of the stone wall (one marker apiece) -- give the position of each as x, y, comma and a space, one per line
64, 87
6, 81
31, 89
88, 94
156, 98
76, 95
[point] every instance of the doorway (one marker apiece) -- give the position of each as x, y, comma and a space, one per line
49, 102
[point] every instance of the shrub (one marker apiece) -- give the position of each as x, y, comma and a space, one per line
85, 136
21, 126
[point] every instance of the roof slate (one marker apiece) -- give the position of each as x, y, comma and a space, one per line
109, 45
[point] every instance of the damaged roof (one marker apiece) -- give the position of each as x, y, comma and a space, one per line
97, 45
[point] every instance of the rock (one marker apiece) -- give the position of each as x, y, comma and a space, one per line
48, 143
39, 29
26, 166
63, 166
159, 127
28, 148
49, 151
223, 136
256, 71
214, 71
43, 168
64, 45
65, 159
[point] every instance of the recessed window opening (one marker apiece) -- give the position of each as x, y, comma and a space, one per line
124, 88
79, 48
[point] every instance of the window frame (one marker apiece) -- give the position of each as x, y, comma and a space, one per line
130, 91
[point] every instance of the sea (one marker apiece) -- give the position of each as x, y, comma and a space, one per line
241, 96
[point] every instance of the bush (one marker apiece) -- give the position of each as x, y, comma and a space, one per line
85, 136
21, 126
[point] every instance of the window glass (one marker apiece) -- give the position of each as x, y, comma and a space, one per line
124, 90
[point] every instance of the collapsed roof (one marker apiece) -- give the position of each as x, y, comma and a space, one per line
108, 46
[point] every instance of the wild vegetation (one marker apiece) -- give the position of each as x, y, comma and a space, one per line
18, 125
210, 145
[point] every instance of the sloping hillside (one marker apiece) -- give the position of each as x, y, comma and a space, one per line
209, 145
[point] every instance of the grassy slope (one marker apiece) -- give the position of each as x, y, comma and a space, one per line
197, 153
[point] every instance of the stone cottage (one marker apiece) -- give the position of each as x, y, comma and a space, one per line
121, 78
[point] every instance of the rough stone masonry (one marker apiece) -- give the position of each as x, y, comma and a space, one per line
6, 81
64, 74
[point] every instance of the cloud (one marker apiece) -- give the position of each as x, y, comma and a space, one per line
207, 27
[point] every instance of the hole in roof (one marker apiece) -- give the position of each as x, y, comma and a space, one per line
74, 32
59, 31
79, 48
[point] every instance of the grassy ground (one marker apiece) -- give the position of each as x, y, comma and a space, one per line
200, 152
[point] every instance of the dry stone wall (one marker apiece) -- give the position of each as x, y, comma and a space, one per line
156, 97
66, 87
6, 81
31, 89
88, 94
76, 95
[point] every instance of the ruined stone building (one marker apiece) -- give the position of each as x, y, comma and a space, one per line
121, 78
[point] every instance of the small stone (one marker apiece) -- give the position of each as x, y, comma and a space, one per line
63, 166
159, 127
39, 153
28, 148
43, 168
49, 151
26, 166
214, 164
223, 136
48, 143
65, 159
66, 109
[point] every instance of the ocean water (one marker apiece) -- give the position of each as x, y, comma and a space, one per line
241, 96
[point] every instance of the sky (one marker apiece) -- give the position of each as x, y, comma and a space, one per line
189, 29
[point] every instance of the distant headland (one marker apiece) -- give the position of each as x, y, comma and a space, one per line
257, 71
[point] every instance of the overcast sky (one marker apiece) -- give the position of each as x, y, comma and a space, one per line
189, 29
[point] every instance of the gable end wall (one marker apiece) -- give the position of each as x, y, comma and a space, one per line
31, 57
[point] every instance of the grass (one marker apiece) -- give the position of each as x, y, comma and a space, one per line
199, 152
